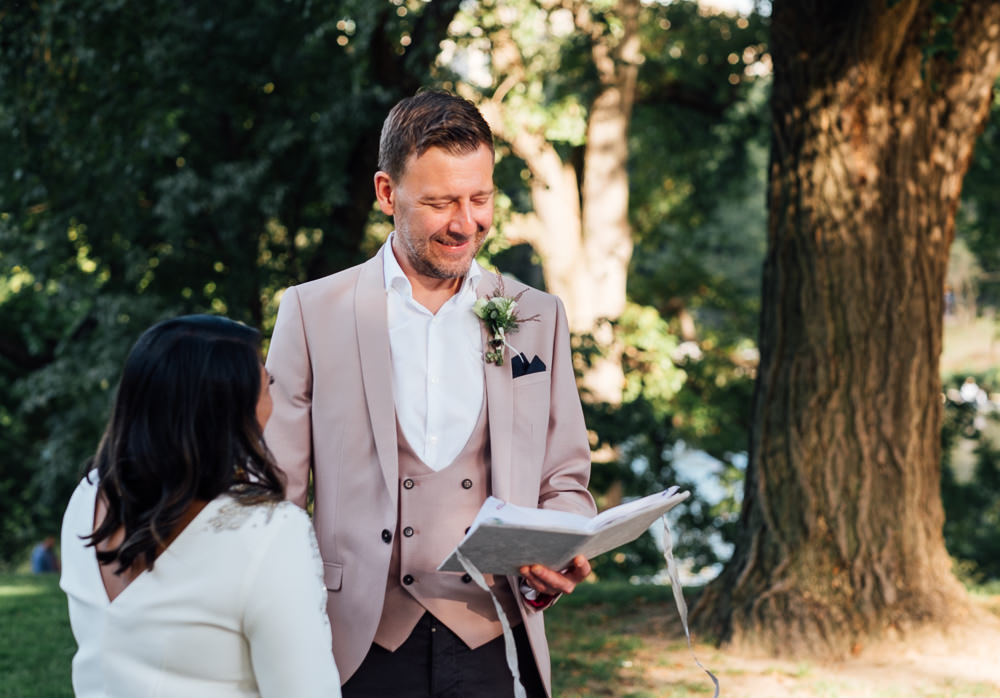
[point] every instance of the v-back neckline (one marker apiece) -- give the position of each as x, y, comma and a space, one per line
160, 559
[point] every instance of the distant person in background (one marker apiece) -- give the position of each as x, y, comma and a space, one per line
43, 557
186, 572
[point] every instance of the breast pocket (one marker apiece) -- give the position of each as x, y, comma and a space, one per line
531, 418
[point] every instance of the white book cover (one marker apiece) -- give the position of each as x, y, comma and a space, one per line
504, 537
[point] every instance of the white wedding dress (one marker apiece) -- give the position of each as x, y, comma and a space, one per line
235, 606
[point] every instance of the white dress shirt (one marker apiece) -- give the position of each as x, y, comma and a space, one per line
437, 365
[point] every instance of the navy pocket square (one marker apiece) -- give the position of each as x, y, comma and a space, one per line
520, 366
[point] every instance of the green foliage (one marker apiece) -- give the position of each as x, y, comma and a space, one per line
699, 141
164, 159
939, 39
972, 499
978, 218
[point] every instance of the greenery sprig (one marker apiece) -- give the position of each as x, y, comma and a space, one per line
499, 313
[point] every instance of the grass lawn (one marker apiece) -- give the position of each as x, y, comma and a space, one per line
589, 634
606, 639
970, 346
596, 634
36, 644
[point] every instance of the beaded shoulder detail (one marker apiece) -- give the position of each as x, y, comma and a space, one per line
231, 515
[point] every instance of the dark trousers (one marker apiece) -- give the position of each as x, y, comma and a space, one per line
435, 663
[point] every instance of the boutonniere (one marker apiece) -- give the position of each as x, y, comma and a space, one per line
499, 313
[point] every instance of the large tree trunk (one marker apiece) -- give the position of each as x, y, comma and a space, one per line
580, 225
841, 537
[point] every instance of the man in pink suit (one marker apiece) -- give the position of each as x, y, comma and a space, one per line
383, 395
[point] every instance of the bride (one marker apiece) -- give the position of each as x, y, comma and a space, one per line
186, 572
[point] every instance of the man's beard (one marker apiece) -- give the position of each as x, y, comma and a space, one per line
419, 258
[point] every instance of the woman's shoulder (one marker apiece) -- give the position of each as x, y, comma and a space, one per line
230, 514
81, 502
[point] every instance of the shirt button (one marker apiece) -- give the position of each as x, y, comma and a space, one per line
466, 484
407, 579
408, 483
466, 578
408, 531
433, 439
386, 535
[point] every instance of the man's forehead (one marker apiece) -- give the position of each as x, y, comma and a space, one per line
437, 166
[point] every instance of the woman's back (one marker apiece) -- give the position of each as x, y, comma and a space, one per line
235, 606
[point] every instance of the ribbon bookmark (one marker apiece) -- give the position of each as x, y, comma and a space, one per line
508, 634
682, 609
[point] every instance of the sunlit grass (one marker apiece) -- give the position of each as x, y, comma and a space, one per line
594, 635
970, 346
615, 640
21, 590
36, 644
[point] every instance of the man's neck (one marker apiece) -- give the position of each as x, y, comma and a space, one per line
428, 291
433, 293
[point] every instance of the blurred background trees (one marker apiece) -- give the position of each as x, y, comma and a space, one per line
166, 159
163, 159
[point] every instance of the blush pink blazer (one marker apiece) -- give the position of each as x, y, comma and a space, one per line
334, 416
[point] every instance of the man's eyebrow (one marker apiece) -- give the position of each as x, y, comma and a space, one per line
447, 197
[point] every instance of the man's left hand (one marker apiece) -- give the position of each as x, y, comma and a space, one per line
548, 581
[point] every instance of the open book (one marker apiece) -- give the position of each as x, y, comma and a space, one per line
504, 537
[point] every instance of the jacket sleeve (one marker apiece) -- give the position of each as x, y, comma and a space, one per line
566, 465
289, 430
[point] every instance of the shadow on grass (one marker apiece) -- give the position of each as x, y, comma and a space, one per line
595, 632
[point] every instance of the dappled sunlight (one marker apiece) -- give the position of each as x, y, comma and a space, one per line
21, 590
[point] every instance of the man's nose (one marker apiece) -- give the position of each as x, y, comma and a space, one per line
463, 221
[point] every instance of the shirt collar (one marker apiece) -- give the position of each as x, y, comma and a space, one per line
395, 277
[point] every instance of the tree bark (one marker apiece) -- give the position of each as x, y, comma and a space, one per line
841, 529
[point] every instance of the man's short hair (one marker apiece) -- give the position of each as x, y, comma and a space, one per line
430, 119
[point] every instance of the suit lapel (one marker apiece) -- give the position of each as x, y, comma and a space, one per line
499, 407
370, 317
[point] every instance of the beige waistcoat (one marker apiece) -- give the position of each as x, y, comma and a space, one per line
435, 509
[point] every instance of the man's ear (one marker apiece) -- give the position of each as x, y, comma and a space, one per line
385, 192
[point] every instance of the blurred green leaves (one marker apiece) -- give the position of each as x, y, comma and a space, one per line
164, 159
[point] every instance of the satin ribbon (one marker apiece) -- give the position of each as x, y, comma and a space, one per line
682, 609
508, 635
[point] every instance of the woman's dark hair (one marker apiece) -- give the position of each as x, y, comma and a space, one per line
183, 427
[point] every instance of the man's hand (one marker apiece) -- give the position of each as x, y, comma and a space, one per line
548, 581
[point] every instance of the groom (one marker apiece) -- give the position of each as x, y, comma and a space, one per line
383, 394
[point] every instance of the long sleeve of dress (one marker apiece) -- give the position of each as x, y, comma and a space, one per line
285, 618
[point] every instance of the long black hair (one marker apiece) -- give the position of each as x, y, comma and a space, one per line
183, 427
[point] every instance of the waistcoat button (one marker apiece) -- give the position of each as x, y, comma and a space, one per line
408, 483
408, 531
466, 578
407, 579
386, 535
466, 484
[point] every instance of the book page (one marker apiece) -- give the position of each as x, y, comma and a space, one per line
505, 537
500, 512
653, 501
501, 549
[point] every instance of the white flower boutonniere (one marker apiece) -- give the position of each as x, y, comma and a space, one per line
499, 314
